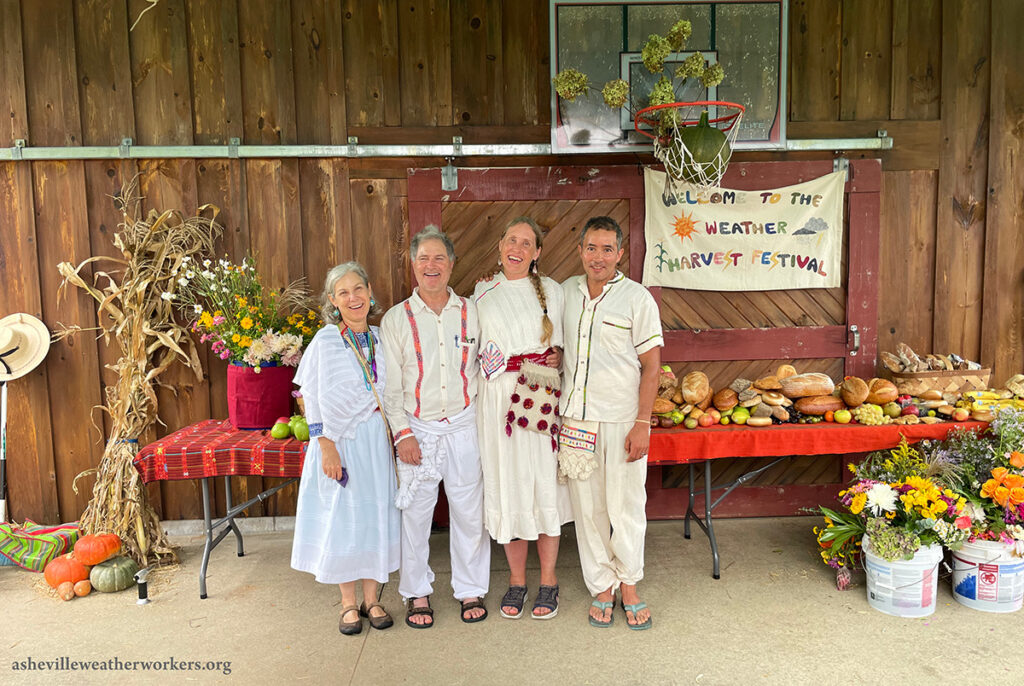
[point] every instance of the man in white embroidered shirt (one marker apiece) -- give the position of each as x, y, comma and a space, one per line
430, 348
613, 342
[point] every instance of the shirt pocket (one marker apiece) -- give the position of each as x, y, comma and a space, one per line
616, 334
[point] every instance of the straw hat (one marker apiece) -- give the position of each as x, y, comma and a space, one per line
24, 341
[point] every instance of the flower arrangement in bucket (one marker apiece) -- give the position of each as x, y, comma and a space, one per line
692, 132
899, 504
260, 332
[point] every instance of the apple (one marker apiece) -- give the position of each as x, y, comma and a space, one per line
724, 421
690, 423
961, 414
740, 415
715, 415
842, 416
911, 410
892, 409
280, 430
706, 419
282, 420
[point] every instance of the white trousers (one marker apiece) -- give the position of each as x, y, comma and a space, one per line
609, 508
458, 463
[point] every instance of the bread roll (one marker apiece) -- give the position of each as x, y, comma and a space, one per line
761, 410
751, 402
705, 402
740, 385
759, 421
881, 391
725, 399
748, 394
695, 387
662, 405
854, 391
819, 404
785, 371
773, 398
811, 383
780, 413
931, 394
768, 383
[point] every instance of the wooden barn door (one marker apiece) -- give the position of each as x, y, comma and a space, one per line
725, 334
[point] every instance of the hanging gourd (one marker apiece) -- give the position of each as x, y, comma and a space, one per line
116, 574
709, 150
64, 568
96, 548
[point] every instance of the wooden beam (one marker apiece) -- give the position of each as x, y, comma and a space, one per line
755, 344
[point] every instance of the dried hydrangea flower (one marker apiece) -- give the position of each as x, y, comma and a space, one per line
570, 84
691, 66
662, 92
654, 53
712, 76
679, 34
615, 93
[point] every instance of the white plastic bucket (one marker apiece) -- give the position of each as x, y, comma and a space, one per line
904, 588
987, 577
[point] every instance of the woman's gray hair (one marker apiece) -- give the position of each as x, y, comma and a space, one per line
430, 232
327, 310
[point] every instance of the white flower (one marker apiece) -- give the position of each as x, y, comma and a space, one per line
207, 263
224, 263
207, 274
190, 274
198, 309
167, 296
183, 281
881, 498
975, 512
186, 258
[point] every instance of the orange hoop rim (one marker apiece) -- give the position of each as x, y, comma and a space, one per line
728, 119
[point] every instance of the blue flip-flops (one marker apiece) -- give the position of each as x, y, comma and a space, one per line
636, 607
602, 606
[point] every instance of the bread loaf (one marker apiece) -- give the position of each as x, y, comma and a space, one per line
819, 404
785, 371
773, 397
854, 391
740, 385
811, 383
768, 383
662, 405
881, 391
759, 421
761, 410
725, 399
780, 413
695, 387
705, 402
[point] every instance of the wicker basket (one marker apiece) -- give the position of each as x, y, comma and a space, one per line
957, 381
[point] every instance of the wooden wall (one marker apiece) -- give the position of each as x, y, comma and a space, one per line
943, 78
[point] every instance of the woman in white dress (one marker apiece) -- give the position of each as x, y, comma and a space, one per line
346, 523
520, 324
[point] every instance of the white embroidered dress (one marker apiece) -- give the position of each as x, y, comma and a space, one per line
522, 496
350, 533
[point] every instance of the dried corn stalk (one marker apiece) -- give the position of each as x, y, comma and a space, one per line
136, 312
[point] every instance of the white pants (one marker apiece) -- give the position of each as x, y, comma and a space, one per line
458, 463
609, 507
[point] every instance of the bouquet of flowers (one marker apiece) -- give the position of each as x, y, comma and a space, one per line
988, 473
245, 322
899, 501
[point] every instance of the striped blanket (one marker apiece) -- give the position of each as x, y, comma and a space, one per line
31, 546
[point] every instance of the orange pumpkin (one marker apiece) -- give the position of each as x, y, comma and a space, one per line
96, 548
65, 568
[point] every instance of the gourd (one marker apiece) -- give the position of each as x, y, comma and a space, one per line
82, 588
96, 548
116, 574
708, 149
66, 591
64, 568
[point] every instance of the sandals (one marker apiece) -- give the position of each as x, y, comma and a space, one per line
602, 606
379, 623
634, 609
413, 610
515, 597
472, 605
547, 597
350, 628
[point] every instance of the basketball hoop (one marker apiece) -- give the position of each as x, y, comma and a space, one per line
694, 140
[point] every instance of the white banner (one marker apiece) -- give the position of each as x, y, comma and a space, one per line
729, 240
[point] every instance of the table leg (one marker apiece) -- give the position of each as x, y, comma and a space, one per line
231, 520
707, 519
208, 531
689, 507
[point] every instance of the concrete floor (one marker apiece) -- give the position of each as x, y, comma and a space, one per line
775, 616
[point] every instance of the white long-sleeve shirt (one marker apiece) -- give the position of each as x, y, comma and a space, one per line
431, 360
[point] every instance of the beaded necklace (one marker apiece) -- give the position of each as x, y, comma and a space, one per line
368, 364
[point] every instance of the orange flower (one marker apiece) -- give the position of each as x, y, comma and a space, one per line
1017, 495
1013, 481
1002, 496
1017, 459
999, 473
988, 489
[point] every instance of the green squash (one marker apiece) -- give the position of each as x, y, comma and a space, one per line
116, 574
708, 148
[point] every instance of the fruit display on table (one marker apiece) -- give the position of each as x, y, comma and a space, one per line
812, 397
291, 426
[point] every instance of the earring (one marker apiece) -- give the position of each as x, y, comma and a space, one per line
533, 267
372, 302
336, 312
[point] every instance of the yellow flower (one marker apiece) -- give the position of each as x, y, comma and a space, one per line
306, 330
245, 342
888, 515
206, 319
242, 302
858, 503
252, 308
236, 338
217, 313
311, 315
852, 467
247, 323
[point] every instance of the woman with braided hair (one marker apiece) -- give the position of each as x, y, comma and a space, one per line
520, 315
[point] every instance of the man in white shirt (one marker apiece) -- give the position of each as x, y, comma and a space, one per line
613, 342
430, 347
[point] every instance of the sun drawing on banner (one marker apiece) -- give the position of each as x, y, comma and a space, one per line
685, 227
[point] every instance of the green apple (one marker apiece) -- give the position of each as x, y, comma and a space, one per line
892, 410
842, 416
690, 423
301, 430
281, 430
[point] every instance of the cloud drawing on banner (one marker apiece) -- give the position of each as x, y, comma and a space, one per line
814, 225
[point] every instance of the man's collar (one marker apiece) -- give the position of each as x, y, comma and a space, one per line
418, 304
585, 287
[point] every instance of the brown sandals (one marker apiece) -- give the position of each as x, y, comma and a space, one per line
413, 610
376, 622
350, 628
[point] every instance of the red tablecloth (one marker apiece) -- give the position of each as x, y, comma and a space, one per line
680, 446
215, 448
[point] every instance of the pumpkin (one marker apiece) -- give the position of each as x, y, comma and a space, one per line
708, 149
64, 568
66, 591
96, 548
83, 588
116, 574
